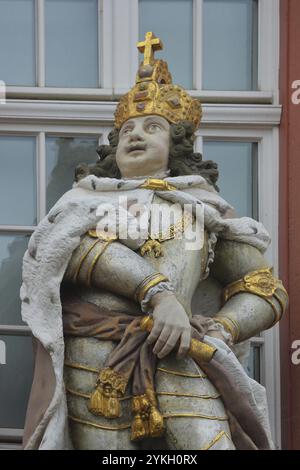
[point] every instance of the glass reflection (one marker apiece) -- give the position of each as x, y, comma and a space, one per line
230, 44
16, 380
17, 39
238, 173
175, 29
63, 155
12, 249
17, 180
71, 43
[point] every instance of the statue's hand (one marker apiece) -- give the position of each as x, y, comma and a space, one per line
171, 325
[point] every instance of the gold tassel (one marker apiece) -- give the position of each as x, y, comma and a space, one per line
105, 401
138, 429
95, 405
156, 423
113, 406
140, 425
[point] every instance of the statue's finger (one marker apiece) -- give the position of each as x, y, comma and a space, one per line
162, 340
170, 344
155, 332
185, 342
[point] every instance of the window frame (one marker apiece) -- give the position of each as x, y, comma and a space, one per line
119, 57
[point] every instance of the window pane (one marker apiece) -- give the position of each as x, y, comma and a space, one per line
63, 155
237, 173
172, 22
71, 43
253, 368
230, 44
17, 38
15, 381
17, 180
12, 249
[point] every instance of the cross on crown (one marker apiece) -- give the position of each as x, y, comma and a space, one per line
149, 46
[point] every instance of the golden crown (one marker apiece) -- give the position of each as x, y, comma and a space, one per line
154, 92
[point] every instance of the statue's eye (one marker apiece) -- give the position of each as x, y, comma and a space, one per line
126, 131
153, 127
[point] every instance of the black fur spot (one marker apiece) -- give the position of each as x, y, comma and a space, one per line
93, 185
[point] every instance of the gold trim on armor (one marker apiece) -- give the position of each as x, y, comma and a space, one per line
100, 426
78, 394
88, 395
230, 325
150, 281
128, 426
94, 261
181, 374
189, 395
82, 259
75, 365
102, 235
195, 415
168, 394
260, 282
215, 440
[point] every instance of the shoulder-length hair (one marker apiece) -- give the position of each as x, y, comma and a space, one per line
182, 158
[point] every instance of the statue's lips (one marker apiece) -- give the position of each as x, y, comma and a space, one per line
136, 148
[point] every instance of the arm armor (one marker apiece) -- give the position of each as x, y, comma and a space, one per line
253, 299
120, 271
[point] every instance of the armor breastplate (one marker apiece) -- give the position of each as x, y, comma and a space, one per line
194, 414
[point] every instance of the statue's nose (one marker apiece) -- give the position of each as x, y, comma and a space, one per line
136, 136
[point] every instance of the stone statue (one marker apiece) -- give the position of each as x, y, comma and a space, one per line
139, 286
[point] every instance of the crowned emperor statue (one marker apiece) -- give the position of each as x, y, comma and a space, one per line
142, 289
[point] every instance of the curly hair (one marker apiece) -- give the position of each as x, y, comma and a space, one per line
182, 159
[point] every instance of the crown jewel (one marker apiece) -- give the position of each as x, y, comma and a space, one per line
154, 92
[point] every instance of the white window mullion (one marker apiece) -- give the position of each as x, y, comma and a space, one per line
268, 213
268, 46
40, 42
197, 44
17, 228
41, 175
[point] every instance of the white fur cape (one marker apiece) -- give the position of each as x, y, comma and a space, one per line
50, 249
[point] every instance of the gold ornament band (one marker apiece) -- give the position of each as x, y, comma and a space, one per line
150, 281
200, 352
260, 282
230, 325
101, 248
82, 259
95, 243
157, 184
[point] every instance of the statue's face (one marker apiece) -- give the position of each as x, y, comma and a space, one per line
143, 148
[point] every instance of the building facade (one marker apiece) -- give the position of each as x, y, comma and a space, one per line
65, 64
